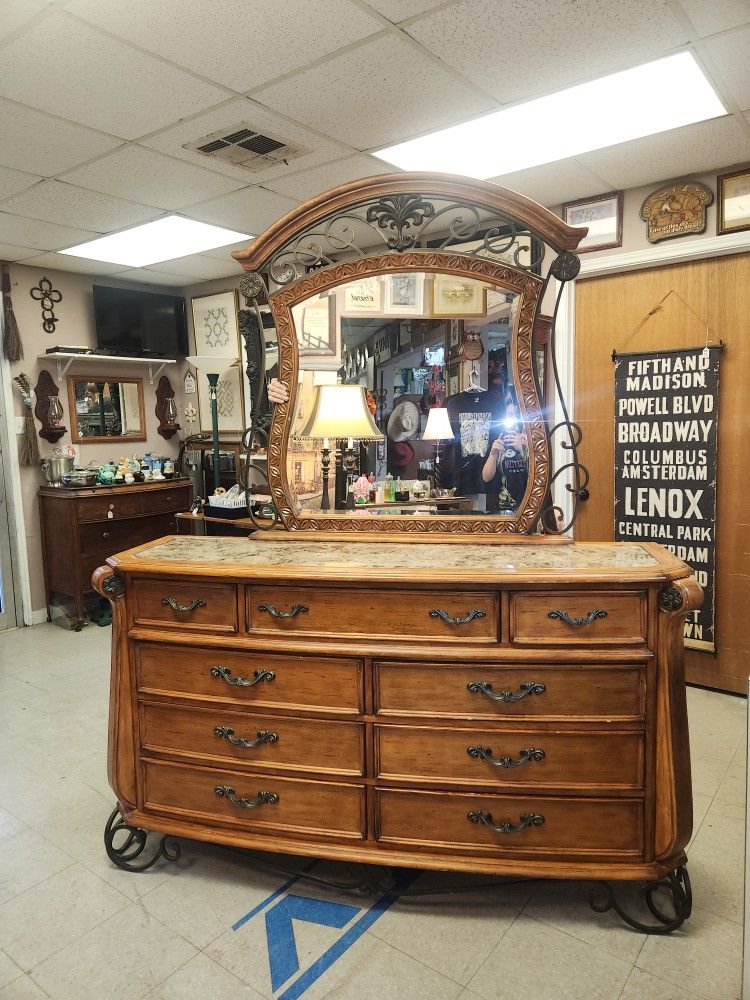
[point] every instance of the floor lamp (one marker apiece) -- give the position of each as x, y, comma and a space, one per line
213, 368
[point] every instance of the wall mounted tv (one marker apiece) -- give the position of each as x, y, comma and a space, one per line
140, 324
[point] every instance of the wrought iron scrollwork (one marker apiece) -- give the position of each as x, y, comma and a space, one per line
525, 756
129, 851
485, 688
675, 887
465, 620
563, 616
402, 215
485, 818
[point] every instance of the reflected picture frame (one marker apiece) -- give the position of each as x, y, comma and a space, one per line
602, 215
733, 196
454, 296
404, 294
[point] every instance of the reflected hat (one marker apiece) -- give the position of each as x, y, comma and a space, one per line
403, 423
401, 453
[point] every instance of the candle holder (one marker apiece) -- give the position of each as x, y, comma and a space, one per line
166, 409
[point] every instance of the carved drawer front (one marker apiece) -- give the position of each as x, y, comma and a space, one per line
261, 802
169, 501
186, 605
263, 680
449, 616
261, 742
569, 618
100, 508
491, 691
496, 757
513, 824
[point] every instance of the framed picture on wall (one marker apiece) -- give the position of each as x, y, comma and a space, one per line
734, 202
404, 295
602, 215
216, 332
452, 296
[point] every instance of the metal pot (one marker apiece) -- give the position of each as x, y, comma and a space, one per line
56, 467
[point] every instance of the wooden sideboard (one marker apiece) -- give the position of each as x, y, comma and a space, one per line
81, 527
512, 709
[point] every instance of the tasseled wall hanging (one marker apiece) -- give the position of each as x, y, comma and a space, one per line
28, 446
12, 347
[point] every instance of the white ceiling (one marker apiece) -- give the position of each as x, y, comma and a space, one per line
98, 98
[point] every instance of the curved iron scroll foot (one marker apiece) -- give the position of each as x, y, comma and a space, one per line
127, 852
675, 887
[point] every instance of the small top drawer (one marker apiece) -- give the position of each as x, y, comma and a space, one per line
167, 500
191, 605
452, 616
570, 618
105, 508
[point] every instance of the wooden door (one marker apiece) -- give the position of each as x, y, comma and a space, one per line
608, 309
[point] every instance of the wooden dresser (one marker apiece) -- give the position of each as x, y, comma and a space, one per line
406, 703
80, 528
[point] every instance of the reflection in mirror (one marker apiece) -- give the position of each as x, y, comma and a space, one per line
433, 357
106, 409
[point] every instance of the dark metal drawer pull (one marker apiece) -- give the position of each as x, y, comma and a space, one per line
528, 819
226, 675
264, 736
297, 609
264, 798
172, 603
458, 621
577, 622
485, 688
485, 753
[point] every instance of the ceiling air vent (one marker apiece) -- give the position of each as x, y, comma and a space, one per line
243, 146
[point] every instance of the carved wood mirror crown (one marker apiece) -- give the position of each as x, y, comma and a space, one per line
405, 307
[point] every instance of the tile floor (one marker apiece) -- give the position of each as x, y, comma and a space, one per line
73, 927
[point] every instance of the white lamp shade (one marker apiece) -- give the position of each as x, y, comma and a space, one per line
209, 364
340, 411
438, 426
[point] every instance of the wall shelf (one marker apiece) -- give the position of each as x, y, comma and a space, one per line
65, 359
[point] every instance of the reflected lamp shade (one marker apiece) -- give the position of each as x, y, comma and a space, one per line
210, 364
438, 427
341, 411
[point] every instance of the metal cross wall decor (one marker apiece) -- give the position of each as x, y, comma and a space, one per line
47, 297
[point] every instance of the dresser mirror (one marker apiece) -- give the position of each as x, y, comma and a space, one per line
106, 409
405, 307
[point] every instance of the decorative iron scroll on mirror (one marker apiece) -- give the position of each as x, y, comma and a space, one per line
406, 224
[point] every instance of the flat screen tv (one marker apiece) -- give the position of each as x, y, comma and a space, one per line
140, 324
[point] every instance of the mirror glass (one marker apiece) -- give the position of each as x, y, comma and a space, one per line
434, 357
106, 409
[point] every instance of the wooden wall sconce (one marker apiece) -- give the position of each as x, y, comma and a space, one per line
166, 410
48, 410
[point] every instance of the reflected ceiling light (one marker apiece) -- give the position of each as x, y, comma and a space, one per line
165, 239
648, 99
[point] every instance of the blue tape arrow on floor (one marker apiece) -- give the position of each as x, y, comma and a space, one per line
282, 948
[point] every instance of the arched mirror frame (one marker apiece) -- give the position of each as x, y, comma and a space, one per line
399, 205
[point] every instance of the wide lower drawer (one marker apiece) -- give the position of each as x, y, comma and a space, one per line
264, 680
114, 536
330, 612
569, 617
189, 605
263, 742
530, 824
563, 761
261, 802
491, 691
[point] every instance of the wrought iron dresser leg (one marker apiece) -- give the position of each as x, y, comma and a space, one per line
675, 887
128, 852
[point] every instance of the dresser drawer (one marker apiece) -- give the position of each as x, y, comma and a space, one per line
166, 500
492, 691
100, 508
552, 760
310, 683
567, 827
292, 806
448, 616
569, 618
190, 605
114, 536
261, 742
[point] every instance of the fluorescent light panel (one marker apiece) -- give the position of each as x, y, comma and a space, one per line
165, 239
648, 99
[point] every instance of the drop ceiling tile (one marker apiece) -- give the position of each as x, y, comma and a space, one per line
144, 276
148, 177
10, 252
234, 112
40, 235
53, 201
225, 253
198, 266
238, 44
308, 183
694, 149
516, 49
400, 10
708, 18
41, 144
13, 181
67, 68
79, 265
14, 14
554, 183
250, 211
378, 93
730, 54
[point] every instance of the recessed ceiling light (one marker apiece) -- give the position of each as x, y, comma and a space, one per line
165, 239
658, 96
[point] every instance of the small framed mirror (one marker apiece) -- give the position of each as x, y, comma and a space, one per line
106, 408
